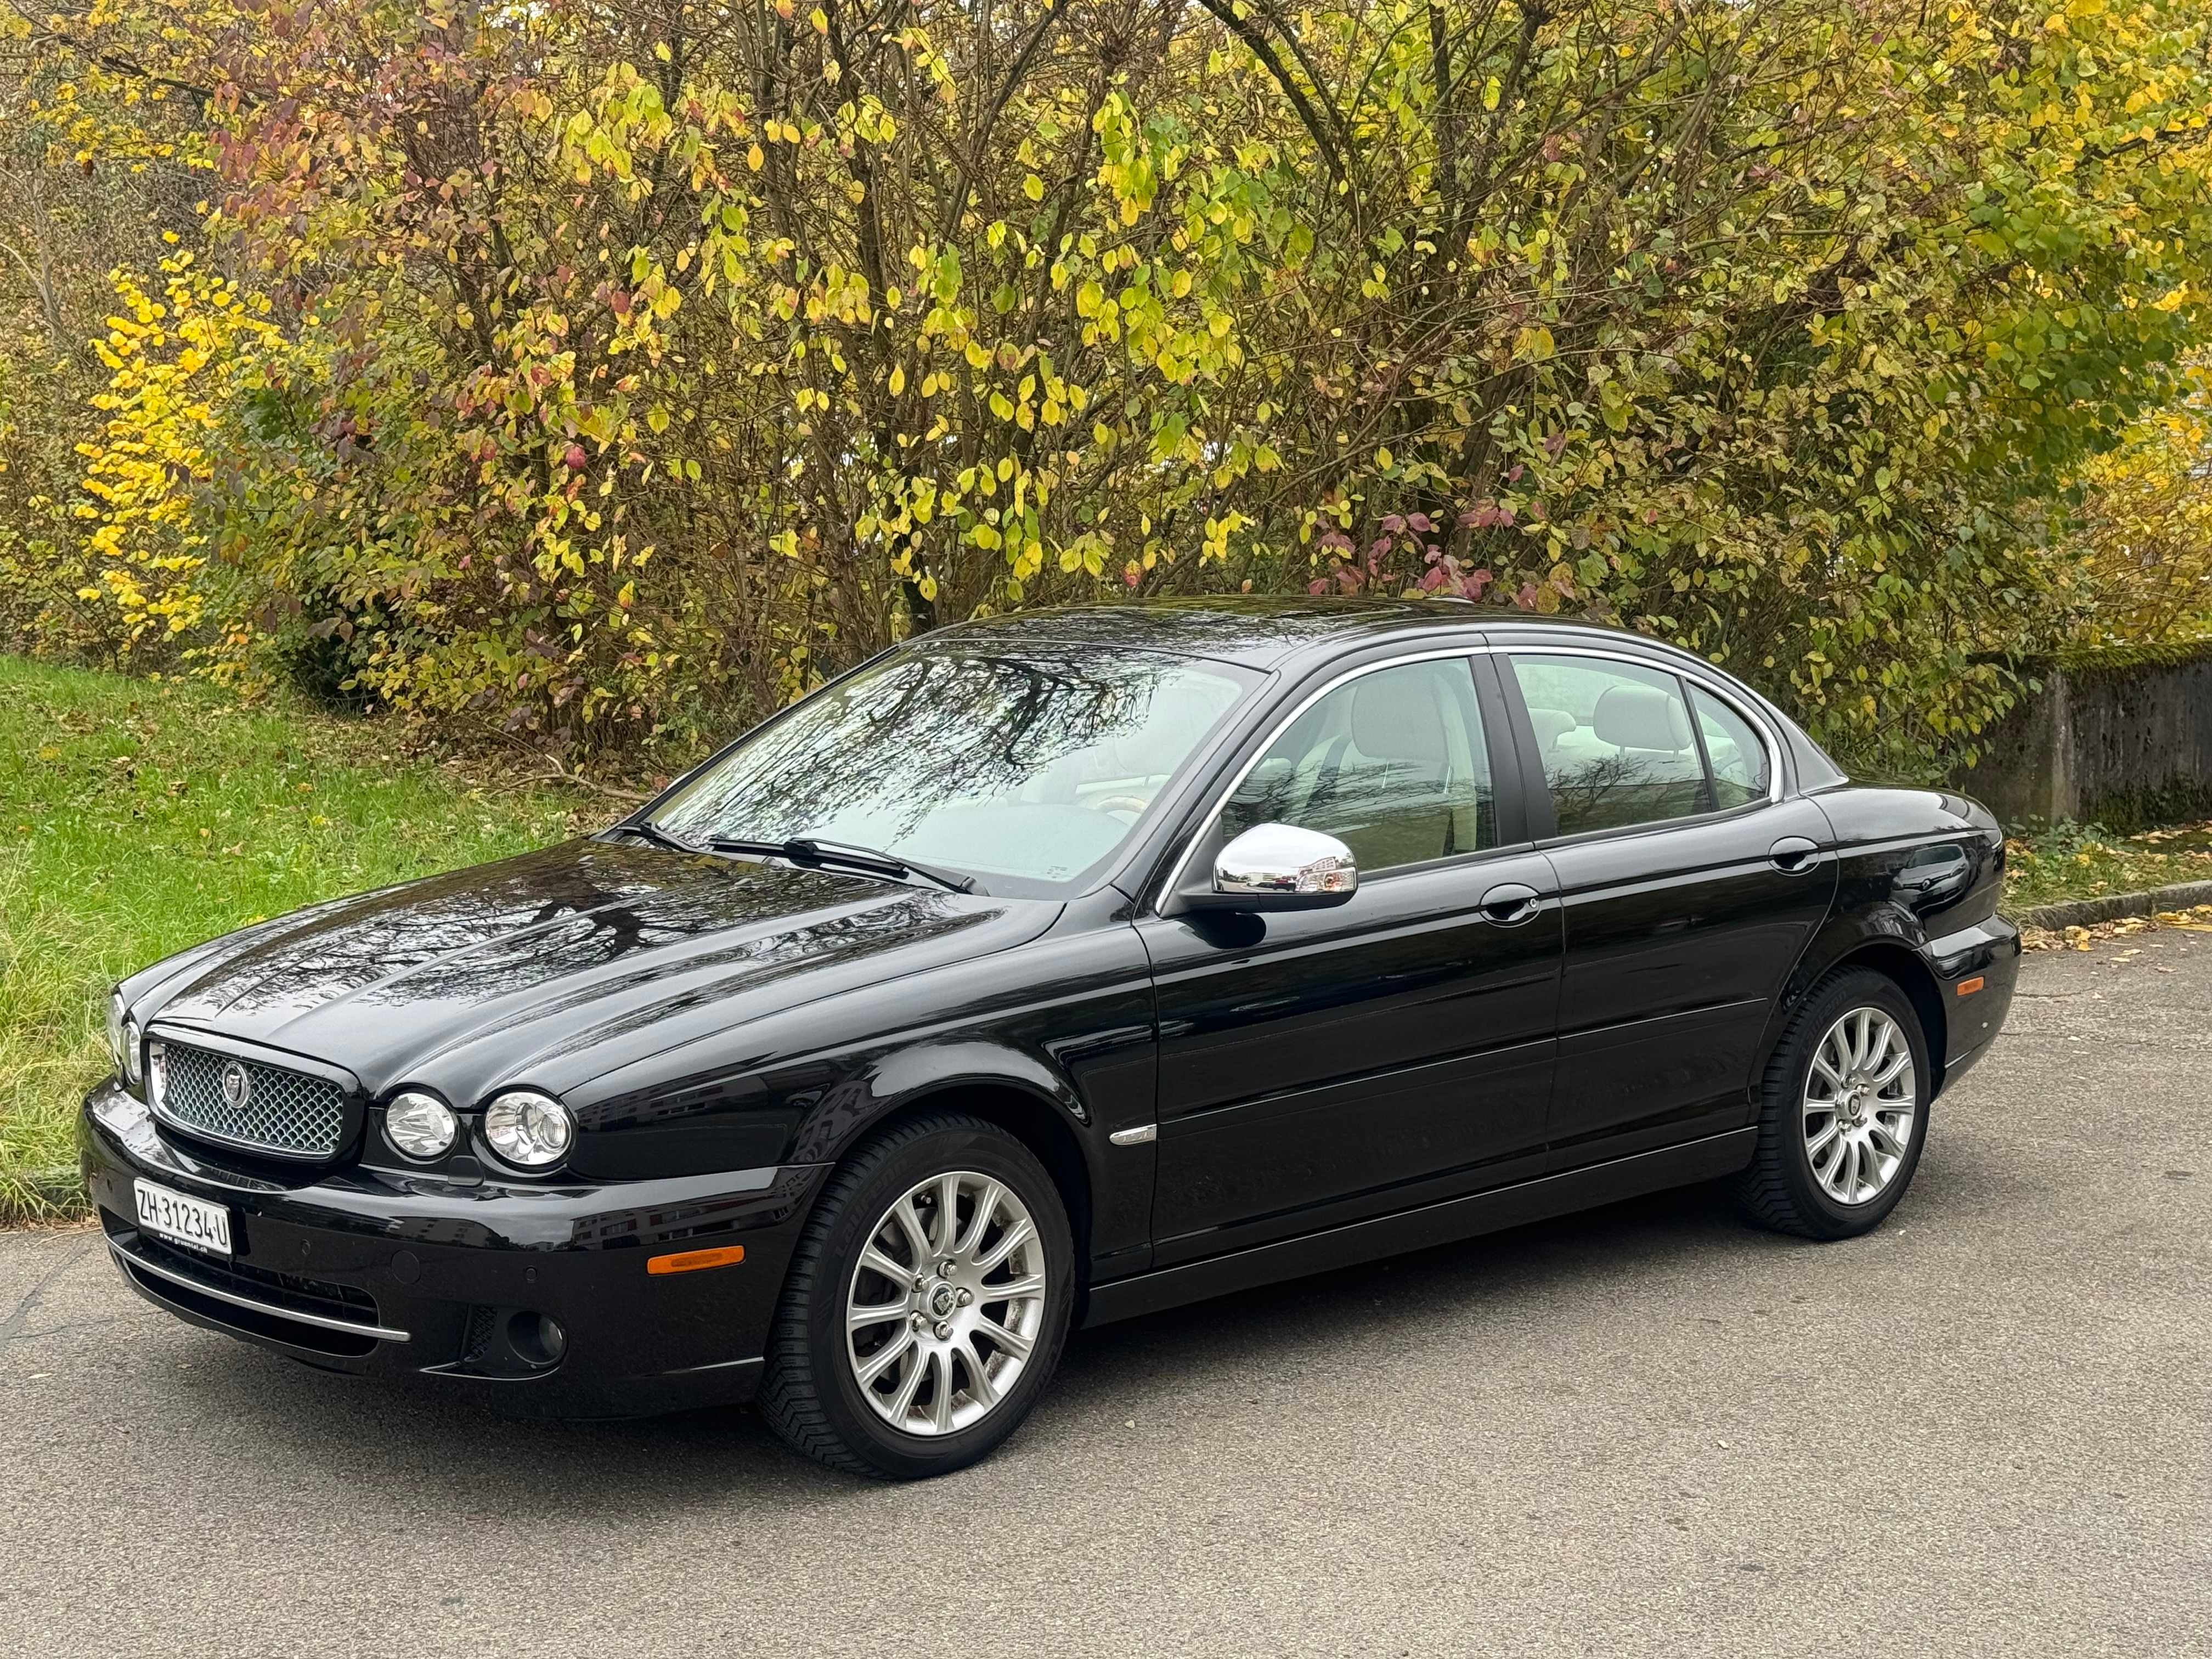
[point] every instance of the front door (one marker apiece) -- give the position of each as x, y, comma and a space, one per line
1688, 895
1316, 1067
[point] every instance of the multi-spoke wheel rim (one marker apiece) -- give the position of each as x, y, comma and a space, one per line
1860, 1098
947, 1304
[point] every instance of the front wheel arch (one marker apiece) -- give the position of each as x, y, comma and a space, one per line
1038, 1123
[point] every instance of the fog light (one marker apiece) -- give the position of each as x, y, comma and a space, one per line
529, 1129
420, 1125
537, 1338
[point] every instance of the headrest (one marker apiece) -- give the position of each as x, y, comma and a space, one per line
1641, 717
1396, 717
1551, 725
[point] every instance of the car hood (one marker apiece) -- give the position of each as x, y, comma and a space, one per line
542, 965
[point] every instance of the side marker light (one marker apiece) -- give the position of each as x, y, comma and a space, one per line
1968, 987
688, 1261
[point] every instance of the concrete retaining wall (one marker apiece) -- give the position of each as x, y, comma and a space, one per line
2123, 738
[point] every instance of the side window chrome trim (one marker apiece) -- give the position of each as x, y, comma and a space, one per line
1181, 866
1690, 675
1769, 741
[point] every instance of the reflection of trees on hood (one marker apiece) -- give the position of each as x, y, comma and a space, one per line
565, 911
385, 935
931, 728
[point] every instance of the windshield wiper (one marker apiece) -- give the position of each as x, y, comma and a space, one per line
647, 829
802, 849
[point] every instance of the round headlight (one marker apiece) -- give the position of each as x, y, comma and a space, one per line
115, 1013
528, 1129
420, 1125
134, 1052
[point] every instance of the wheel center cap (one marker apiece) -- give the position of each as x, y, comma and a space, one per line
942, 1300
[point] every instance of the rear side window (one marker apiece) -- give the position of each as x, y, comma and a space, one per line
1616, 741
1738, 757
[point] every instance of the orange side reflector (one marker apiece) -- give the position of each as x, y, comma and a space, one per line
690, 1261
1967, 989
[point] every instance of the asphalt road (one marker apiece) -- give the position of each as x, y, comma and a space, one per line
1987, 1429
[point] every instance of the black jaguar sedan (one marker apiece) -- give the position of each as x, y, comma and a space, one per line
1043, 972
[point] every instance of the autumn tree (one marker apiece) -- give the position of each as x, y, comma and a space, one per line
605, 372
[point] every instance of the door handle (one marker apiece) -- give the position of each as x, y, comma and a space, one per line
1793, 855
1510, 904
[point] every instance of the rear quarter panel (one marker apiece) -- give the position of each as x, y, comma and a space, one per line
1919, 873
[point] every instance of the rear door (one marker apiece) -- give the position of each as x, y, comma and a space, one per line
1319, 1066
1688, 890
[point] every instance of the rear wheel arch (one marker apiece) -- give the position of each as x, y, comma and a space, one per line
1900, 964
1890, 957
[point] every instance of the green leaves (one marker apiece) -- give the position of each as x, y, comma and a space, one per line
1783, 330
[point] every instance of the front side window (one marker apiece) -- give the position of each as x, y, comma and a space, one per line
1027, 767
1615, 739
1391, 763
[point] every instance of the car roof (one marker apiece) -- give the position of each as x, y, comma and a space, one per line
1268, 632
1264, 631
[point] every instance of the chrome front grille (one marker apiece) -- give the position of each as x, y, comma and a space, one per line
291, 1113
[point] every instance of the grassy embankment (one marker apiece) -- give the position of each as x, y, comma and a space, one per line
2075, 862
138, 817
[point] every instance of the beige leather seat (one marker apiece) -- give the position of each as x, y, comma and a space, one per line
1406, 780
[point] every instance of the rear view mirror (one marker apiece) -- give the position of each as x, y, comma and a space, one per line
1278, 867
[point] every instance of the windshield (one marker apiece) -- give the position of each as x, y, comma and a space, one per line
1026, 769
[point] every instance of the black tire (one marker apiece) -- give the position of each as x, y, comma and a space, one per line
1779, 1188
808, 1394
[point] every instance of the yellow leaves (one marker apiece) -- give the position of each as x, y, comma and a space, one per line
897, 382
1033, 187
756, 157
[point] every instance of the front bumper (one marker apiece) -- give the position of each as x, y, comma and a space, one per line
378, 1272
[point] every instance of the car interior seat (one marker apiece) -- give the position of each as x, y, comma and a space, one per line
1551, 725
1645, 723
1410, 773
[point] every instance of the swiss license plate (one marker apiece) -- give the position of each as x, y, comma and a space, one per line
188, 1221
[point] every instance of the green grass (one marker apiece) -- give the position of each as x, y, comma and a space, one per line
2074, 861
139, 817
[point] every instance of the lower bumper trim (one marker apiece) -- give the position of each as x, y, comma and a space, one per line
137, 1264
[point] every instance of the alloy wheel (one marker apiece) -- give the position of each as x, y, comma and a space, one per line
946, 1303
1860, 1099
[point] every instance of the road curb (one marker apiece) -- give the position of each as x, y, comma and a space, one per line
2111, 907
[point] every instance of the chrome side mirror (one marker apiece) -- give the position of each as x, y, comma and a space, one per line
1278, 866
